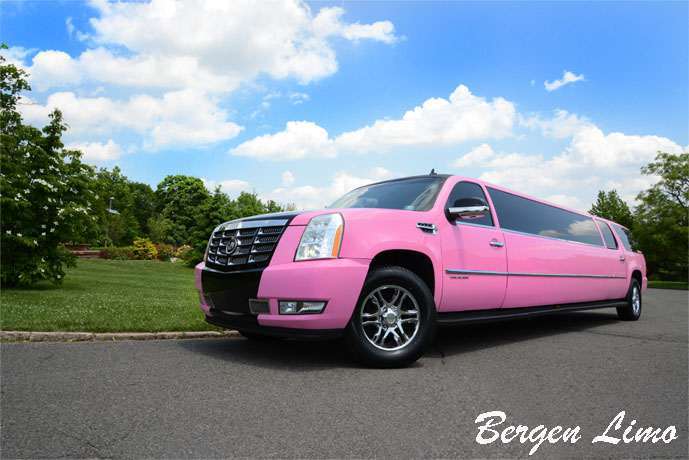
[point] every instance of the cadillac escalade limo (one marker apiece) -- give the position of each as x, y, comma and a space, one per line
387, 263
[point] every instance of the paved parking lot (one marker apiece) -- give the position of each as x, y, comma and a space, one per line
233, 397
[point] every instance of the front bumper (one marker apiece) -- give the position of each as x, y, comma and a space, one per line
224, 296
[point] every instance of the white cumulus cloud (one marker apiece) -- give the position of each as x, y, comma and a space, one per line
186, 117
329, 22
206, 44
151, 61
436, 122
300, 139
592, 160
567, 78
314, 197
562, 125
97, 152
475, 157
230, 186
287, 178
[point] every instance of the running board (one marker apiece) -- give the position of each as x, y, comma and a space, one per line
500, 314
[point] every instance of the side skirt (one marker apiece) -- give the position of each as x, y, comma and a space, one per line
500, 314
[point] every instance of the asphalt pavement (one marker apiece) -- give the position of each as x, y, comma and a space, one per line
238, 398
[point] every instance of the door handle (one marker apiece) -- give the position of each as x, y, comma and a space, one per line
622, 258
496, 244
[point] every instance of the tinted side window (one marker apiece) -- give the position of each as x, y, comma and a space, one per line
607, 235
623, 234
527, 216
463, 190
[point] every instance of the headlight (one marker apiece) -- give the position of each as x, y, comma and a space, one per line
322, 238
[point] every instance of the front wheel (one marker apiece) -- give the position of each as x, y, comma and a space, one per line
632, 310
394, 319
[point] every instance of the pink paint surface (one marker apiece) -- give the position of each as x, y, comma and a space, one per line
198, 270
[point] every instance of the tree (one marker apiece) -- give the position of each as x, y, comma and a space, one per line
116, 208
216, 210
661, 219
144, 205
179, 199
160, 229
123, 207
610, 206
45, 189
673, 170
248, 204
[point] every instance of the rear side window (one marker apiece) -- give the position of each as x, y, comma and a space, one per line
464, 190
528, 216
607, 235
623, 234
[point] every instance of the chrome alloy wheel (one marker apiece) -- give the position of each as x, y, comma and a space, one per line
390, 317
636, 301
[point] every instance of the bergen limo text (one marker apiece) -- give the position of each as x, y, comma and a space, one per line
388, 262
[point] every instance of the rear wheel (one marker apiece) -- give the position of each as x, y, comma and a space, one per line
394, 319
632, 310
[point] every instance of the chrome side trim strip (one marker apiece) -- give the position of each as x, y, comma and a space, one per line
452, 271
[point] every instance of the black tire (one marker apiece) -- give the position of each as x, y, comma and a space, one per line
631, 311
415, 296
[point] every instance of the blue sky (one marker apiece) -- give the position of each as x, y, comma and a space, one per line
300, 102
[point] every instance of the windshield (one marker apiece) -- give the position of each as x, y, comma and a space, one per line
417, 194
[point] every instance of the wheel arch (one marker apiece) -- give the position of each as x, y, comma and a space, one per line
417, 262
636, 274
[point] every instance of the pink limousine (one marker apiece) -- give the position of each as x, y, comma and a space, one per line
387, 263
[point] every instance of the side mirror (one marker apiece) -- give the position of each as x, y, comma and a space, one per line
468, 209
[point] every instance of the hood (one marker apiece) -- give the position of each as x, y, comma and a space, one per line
289, 215
349, 214
281, 218
352, 214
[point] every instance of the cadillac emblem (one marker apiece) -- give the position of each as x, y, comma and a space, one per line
231, 245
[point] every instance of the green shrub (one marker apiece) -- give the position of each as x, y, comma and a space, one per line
123, 253
182, 251
45, 191
165, 251
193, 257
144, 249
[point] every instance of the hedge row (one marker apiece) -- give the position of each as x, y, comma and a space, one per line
144, 249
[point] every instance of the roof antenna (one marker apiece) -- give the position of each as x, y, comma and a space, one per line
433, 173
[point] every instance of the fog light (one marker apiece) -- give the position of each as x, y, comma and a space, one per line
298, 307
288, 307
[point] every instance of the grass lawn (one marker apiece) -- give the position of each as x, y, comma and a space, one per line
108, 296
668, 285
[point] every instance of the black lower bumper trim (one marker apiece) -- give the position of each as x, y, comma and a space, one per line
230, 291
249, 323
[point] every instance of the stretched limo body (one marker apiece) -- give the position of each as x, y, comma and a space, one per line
389, 261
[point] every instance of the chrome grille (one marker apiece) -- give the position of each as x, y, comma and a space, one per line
244, 245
